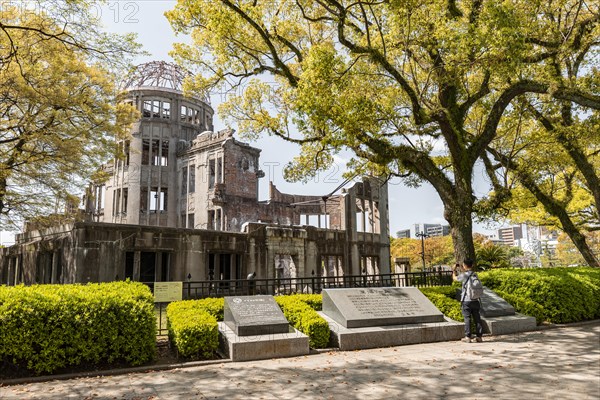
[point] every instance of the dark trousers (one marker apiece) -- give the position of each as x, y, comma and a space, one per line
472, 308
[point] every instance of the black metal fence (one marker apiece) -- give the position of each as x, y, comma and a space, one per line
313, 284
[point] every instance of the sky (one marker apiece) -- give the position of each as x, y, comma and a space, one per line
407, 206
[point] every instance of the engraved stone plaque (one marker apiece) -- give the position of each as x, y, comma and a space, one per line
254, 315
493, 305
364, 307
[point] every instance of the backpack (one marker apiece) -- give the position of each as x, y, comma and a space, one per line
474, 287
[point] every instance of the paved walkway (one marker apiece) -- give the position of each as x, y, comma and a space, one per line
558, 363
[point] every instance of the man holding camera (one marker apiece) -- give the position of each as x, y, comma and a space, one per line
468, 306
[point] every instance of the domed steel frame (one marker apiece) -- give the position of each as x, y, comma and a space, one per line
157, 74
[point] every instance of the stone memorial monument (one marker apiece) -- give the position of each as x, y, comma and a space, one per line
356, 308
255, 328
498, 317
254, 315
362, 318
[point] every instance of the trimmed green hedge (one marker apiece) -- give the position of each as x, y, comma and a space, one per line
315, 301
44, 328
443, 297
304, 318
214, 306
557, 295
193, 329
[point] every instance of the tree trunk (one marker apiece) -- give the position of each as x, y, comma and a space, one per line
458, 216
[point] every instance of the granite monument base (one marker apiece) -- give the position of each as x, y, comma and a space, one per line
393, 335
260, 347
254, 315
508, 324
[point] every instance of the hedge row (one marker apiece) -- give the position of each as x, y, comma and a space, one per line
315, 301
304, 318
444, 298
44, 328
193, 329
557, 295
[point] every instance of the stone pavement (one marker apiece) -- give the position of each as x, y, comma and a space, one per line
557, 363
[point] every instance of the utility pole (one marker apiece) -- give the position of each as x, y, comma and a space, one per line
422, 235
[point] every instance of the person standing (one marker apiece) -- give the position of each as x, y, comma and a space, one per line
470, 307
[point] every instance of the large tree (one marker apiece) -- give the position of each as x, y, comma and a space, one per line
416, 89
59, 113
549, 149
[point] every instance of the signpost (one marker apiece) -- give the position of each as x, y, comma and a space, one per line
167, 292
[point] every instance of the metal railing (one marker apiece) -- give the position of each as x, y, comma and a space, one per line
313, 284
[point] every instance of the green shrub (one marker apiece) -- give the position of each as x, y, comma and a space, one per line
192, 328
48, 327
214, 306
524, 305
444, 298
304, 318
564, 294
315, 301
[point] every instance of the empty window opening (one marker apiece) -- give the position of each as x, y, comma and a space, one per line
184, 180
224, 266
360, 222
125, 194
331, 266
156, 152
126, 150
155, 109
214, 219
116, 201
219, 170
285, 267
129, 261
211, 173
188, 179
147, 109
143, 199
120, 201
192, 179
211, 219
147, 266
164, 272
158, 199
166, 110
369, 265
99, 197
183, 113
145, 152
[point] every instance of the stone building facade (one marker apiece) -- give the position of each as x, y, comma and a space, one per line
182, 203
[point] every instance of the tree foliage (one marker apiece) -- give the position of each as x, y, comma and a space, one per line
548, 155
414, 89
438, 251
59, 113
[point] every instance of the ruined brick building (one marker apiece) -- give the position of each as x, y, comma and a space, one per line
182, 203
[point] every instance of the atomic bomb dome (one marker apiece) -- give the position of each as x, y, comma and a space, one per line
159, 74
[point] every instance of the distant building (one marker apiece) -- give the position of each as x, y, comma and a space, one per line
510, 236
403, 234
433, 229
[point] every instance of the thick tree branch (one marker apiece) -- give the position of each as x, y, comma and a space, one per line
279, 64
